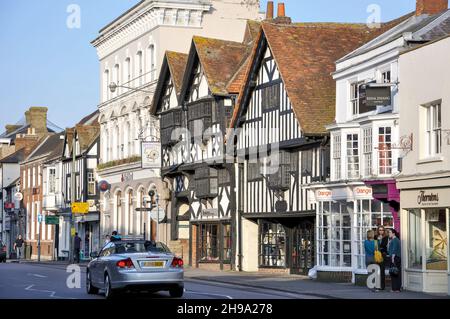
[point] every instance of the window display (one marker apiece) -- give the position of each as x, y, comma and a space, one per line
273, 245
436, 239
414, 239
209, 244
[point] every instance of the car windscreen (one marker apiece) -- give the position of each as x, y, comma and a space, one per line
140, 247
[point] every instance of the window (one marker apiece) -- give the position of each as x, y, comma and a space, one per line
307, 163
209, 243
39, 176
51, 180
385, 150
224, 177
140, 66
127, 71
151, 62
370, 215
334, 237
77, 187
436, 239
354, 97
386, 77
34, 177
352, 155
91, 183
206, 182
68, 188
414, 239
254, 171
106, 82
337, 156
29, 178
227, 243
130, 212
367, 150
433, 130
272, 245
117, 78
270, 97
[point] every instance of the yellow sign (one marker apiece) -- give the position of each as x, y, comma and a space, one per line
72, 231
80, 208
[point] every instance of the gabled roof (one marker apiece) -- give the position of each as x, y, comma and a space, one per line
47, 147
173, 66
305, 54
15, 157
87, 135
220, 61
91, 119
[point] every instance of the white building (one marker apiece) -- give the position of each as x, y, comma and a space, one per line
425, 177
366, 143
131, 50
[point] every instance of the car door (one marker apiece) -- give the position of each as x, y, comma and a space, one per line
98, 265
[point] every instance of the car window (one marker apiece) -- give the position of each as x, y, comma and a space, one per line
107, 250
140, 247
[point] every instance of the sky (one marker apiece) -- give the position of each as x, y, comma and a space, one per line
44, 61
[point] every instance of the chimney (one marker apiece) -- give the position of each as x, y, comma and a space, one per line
36, 117
431, 7
281, 15
11, 128
269, 13
26, 142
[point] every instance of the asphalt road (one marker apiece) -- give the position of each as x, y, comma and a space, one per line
38, 281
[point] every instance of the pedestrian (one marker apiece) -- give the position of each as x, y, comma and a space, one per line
394, 253
18, 247
107, 240
383, 240
369, 248
76, 248
115, 236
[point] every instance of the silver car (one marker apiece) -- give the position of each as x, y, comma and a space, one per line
135, 265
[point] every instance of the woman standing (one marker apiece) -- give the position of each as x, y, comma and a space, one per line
369, 248
383, 241
394, 253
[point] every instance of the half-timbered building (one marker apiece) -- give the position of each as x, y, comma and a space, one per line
282, 145
193, 131
86, 136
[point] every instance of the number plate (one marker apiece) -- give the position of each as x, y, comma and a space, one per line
152, 264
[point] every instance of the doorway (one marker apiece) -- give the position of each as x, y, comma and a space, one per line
303, 248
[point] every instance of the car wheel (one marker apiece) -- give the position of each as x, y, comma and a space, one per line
110, 293
176, 292
91, 290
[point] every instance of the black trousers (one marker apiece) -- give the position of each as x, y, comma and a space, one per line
76, 255
397, 280
383, 274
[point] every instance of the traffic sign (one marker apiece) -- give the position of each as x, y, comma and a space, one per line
18, 196
52, 220
39, 218
80, 208
158, 216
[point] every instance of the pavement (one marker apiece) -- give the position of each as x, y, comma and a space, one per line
262, 285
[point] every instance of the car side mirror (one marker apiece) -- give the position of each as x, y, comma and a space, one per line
94, 254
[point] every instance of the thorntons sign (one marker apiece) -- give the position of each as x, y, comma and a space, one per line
427, 199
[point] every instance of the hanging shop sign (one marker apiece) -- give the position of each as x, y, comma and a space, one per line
104, 186
378, 96
151, 155
158, 214
80, 208
18, 196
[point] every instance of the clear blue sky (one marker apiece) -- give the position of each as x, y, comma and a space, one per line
45, 63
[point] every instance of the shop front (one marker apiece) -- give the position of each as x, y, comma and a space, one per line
425, 221
345, 212
88, 228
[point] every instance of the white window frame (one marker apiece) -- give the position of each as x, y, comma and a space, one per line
433, 129
388, 168
368, 150
337, 155
356, 163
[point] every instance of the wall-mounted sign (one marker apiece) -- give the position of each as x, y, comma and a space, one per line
362, 192
104, 186
378, 96
428, 199
324, 194
80, 208
52, 220
9, 205
151, 155
18, 196
210, 213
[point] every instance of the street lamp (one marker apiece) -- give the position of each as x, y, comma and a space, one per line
113, 87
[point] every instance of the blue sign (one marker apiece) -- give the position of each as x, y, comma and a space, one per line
39, 218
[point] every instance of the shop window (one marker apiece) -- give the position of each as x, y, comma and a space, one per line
436, 239
273, 245
227, 243
414, 239
209, 244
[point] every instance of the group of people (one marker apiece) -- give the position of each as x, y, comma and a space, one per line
114, 237
388, 244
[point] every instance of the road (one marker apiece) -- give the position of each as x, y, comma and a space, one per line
45, 281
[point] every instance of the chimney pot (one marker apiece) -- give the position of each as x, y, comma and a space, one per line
269, 13
431, 7
281, 10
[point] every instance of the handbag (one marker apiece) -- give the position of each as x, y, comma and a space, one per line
378, 256
394, 271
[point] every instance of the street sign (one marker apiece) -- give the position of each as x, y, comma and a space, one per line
39, 218
52, 220
158, 216
80, 208
73, 231
143, 209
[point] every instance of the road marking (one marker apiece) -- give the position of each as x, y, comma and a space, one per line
207, 294
37, 275
52, 293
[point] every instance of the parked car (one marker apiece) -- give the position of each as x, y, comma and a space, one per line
2, 252
135, 265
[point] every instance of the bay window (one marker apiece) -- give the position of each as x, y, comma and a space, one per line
352, 156
337, 156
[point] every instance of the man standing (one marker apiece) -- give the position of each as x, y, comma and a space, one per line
18, 247
76, 248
